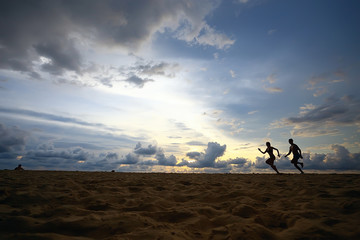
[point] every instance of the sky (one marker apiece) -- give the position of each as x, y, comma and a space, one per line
179, 85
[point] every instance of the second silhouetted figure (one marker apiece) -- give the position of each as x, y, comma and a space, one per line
296, 151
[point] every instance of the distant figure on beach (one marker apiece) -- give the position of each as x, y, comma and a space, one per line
19, 168
296, 151
271, 160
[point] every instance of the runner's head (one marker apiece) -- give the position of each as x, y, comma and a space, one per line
268, 144
291, 141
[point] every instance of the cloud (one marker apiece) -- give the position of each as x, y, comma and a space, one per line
136, 74
313, 131
56, 30
196, 143
323, 120
53, 118
129, 159
261, 164
271, 79
232, 73
207, 159
50, 156
271, 31
163, 160
157, 69
111, 156
237, 161
11, 139
108, 81
233, 126
150, 150
314, 85
320, 84
61, 155
245, 146
180, 125
62, 55
138, 81
273, 89
139, 152
193, 155
76, 154
334, 110
174, 137
45, 144
213, 38
253, 112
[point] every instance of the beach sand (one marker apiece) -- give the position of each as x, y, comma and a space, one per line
108, 205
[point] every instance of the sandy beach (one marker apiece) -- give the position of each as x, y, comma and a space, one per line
107, 205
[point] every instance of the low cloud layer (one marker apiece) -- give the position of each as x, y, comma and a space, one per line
15, 149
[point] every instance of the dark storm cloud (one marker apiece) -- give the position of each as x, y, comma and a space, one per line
150, 150
238, 161
78, 144
213, 151
55, 28
193, 155
96, 165
111, 156
339, 159
77, 154
11, 139
29, 29
62, 54
129, 159
163, 160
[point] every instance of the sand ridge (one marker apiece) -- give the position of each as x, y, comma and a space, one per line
106, 205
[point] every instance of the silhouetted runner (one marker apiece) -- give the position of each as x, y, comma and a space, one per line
296, 151
271, 160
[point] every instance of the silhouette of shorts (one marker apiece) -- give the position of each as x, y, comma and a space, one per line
295, 158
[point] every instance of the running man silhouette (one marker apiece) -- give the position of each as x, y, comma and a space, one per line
271, 160
296, 151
